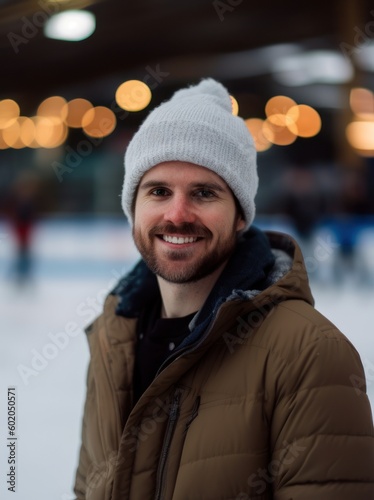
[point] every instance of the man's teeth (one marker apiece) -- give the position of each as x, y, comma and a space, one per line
178, 239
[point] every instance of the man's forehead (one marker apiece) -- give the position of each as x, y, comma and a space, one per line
178, 170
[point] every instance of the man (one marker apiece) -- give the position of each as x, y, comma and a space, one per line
212, 376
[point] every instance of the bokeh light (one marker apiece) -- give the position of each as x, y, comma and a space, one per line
279, 128
99, 122
50, 132
306, 119
280, 121
75, 110
27, 130
71, 25
133, 95
53, 106
3, 144
255, 126
360, 135
11, 135
9, 112
361, 101
279, 104
281, 135
286, 120
234, 106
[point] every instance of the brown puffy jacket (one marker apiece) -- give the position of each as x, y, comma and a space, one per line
269, 404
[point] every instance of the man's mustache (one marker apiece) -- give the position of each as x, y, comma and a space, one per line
186, 229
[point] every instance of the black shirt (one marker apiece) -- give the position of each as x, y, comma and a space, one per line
157, 339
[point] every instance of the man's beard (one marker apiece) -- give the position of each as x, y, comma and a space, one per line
194, 271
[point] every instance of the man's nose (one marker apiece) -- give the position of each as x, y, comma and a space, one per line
180, 210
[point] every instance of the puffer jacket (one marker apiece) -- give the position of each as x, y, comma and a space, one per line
268, 402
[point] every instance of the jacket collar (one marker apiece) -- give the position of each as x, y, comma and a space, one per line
252, 253
262, 264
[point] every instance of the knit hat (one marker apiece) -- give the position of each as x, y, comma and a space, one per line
196, 125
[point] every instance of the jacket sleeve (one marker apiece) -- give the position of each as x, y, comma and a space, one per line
322, 429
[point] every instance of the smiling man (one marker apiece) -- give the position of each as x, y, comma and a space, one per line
212, 376
186, 225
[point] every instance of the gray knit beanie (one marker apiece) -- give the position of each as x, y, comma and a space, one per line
196, 125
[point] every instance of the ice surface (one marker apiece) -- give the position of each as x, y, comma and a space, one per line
75, 266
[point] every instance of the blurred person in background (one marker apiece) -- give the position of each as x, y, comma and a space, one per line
303, 202
354, 207
212, 375
21, 209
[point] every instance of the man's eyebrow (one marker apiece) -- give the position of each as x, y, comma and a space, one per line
202, 185
154, 183
210, 185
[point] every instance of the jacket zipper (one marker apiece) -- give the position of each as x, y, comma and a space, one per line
194, 413
186, 350
172, 422
189, 348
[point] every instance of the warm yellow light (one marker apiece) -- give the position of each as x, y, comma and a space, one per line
50, 132
99, 122
362, 102
3, 144
307, 120
278, 134
133, 95
75, 110
255, 126
234, 106
9, 112
361, 135
279, 104
280, 128
27, 130
11, 135
280, 120
53, 106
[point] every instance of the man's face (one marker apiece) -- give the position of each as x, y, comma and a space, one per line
185, 221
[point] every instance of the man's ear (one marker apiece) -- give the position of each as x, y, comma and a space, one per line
240, 223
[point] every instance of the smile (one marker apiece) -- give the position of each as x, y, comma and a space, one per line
178, 240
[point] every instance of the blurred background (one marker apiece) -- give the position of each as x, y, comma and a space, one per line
77, 79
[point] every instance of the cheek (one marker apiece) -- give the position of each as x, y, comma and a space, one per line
146, 211
145, 221
227, 220
141, 215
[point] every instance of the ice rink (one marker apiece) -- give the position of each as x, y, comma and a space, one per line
44, 352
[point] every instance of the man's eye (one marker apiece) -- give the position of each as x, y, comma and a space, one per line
159, 192
204, 193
